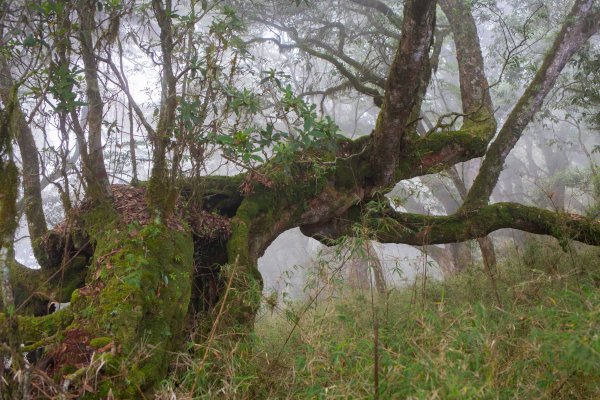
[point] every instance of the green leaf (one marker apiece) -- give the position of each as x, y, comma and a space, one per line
29, 41
308, 123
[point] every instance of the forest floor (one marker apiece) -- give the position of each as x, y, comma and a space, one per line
432, 340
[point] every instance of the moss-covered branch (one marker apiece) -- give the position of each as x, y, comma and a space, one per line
417, 229
35, 288
33, 329
439, 151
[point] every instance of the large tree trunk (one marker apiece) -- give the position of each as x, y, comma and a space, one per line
132, 309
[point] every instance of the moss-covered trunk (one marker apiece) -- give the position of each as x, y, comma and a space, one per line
147, 285
132, 309
121, 327
9, 189
32, 192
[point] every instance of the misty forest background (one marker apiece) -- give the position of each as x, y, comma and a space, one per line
275, 199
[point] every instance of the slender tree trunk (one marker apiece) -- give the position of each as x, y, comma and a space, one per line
132, 149
96, 177
445, 259
160, 188
366, 268
376, 268
32, 192
486, 244
473, 83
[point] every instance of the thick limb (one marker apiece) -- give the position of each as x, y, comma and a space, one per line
417, 229
405, 88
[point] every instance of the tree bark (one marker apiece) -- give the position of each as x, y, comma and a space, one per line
404, 91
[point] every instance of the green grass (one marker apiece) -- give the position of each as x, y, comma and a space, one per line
438, 340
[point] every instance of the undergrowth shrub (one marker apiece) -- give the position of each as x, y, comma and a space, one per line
439, 340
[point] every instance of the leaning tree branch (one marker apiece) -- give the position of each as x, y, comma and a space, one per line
124, 85
581, 23
365, 73
330, 91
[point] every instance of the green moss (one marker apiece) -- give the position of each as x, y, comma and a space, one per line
33, 329
9, 179
100, 219
136, 295
100, 342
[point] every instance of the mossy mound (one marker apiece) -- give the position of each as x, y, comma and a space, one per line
131, 312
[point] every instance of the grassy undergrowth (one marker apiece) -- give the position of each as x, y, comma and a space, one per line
436, 340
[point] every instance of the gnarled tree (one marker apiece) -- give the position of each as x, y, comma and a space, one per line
146, 281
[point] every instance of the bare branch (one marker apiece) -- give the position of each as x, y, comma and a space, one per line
383, 8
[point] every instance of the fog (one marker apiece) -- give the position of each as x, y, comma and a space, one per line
552, 166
